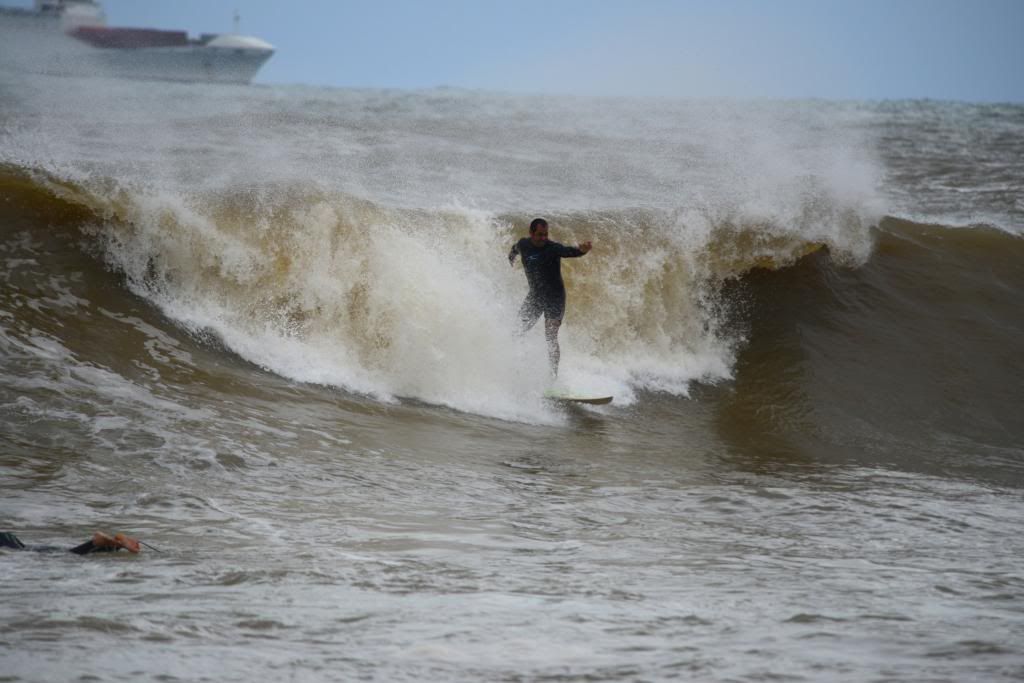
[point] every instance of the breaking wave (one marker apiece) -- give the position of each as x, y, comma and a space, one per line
397, 302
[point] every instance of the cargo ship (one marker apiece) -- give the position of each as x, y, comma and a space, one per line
71, 37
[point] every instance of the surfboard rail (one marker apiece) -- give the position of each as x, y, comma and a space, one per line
571, 397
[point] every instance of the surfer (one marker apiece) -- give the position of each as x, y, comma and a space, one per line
99, 543
542, 261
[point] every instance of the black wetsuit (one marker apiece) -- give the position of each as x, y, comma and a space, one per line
9, 540
543, 267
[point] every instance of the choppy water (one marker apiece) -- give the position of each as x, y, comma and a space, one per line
269, 332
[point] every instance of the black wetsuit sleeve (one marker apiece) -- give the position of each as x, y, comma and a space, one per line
568, 252
90, 547
512, 254
85, 548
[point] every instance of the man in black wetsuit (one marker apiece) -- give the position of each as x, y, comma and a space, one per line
99, 543
542, 260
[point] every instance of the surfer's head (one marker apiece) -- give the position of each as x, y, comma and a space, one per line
539, 231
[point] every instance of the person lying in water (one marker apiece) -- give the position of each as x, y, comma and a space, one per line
99, 543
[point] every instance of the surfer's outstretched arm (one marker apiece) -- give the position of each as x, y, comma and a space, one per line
573, 252
512, 255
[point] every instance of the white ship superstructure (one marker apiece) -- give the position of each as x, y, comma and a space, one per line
71, 37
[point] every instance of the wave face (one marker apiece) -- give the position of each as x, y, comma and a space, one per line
358, 239
910, 357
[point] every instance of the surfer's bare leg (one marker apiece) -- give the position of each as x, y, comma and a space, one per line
551, 326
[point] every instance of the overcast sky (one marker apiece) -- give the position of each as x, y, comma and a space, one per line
837, 49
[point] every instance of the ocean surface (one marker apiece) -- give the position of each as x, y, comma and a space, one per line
270, 331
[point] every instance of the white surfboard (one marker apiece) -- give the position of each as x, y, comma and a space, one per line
573, 397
